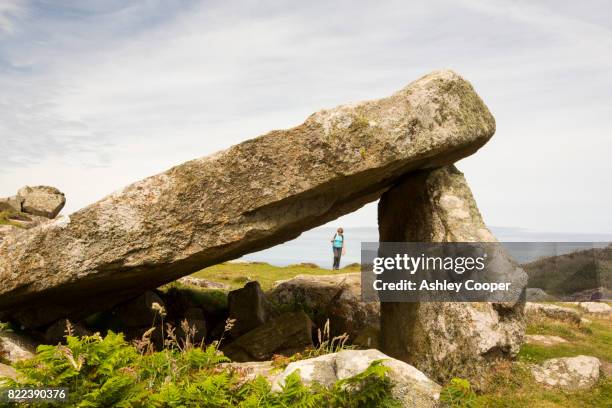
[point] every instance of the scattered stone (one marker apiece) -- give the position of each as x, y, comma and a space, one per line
252, 196
286, 335
203, 283
15, 347
446, 339
250, 370
595, 307
568, 373
196, 320
552, 312
249, 307
544, 340
334, 297
410, 385
57, 332
44, 201
139, 312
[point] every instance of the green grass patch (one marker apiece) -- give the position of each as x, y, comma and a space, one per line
236, 274
5, 219
593, 339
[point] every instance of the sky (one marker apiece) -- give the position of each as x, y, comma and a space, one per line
97, 94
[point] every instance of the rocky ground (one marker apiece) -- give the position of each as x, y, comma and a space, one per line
566, 360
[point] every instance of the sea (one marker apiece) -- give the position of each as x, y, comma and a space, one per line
524, 245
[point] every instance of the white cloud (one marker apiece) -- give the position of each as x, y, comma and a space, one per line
10, 10
125, 91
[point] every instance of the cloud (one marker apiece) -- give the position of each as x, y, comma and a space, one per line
119, 90
10, 11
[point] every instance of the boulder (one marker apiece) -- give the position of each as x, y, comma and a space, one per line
249, 307
568, 373
16, 347
139, 312
287, 334
595, 307
544, 340
196, 321
334, 297
410, 385
535, 310
445, 339
252, 196
11, 204
44, 201
57, 332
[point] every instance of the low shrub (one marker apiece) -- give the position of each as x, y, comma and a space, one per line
108, 371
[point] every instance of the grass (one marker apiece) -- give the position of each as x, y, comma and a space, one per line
5, 220
511, 385
236, 274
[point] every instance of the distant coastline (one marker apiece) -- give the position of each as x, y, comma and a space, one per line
313, 246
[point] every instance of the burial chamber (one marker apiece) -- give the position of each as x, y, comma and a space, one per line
252, 196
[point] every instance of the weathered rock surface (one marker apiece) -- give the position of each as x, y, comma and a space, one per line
287, 334
251, 196
533, 310
411, 386
595, 307
334, 297
568, 373
444, 339
15, 347
57, 332
44, 201
544, 340
202, 283
249, 307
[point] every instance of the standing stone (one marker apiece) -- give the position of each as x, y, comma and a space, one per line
444, 339
286, 334
252, 196
249, 307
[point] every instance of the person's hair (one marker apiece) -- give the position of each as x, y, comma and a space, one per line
340, 231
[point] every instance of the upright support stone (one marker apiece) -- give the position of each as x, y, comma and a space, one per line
444, 339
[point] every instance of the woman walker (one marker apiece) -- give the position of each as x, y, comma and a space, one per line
338, 247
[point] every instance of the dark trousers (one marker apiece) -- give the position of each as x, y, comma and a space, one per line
337, 255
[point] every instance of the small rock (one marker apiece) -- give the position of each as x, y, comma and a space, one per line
42, 200
249, 307
544, 340
15, 347
538, 295
553, 312
138, 312
410, 385
287, 334
57, 332
203, 283
250, 370
595, 307
568, 373
196, 320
